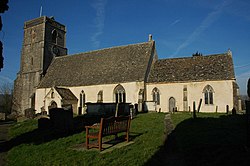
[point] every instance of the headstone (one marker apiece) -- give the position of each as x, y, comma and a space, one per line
199, 107
29, 113
44, 123
194, 110
233, 111
61, 120
2, 116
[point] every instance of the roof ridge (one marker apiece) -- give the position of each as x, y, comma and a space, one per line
108, 48
189, 57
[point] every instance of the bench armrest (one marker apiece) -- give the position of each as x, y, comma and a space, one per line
94, 126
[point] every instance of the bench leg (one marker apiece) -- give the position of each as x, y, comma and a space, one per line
100, 143
87, 142
87, 139
127, 136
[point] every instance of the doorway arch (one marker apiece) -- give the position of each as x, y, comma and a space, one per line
53, 104
172, 104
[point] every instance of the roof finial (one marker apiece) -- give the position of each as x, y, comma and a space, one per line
150, 37
229, 52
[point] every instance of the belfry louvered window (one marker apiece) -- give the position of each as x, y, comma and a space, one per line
54, 36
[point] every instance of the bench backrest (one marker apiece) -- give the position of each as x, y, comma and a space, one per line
114, 125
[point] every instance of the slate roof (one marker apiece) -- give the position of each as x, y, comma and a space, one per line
107, 66
197, 68
66, 94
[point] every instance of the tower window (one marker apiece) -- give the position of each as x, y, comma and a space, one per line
54, 36
32, 61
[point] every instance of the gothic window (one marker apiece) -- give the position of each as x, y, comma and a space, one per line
82, 99
100, 96
119, 94
54, 36
208, 95
156, 95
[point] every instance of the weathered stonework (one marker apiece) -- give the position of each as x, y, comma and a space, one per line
38, 50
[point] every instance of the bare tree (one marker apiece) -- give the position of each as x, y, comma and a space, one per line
6, 97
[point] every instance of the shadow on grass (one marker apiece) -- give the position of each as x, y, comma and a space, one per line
205, 141
39, 136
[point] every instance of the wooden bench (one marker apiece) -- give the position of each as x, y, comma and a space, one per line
107, 126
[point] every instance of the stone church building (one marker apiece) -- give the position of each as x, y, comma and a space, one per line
48, 77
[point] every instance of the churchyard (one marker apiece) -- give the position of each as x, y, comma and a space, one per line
210, 139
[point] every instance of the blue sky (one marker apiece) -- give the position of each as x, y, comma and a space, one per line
179, 27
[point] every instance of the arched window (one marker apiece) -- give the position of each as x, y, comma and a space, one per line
100, 96
156, 95
208, 94
82, 99
119, 94
54, 36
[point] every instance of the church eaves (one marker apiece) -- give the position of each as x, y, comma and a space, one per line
107, 66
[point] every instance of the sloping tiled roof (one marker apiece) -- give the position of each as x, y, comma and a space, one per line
66, 94
197, 68
112, 65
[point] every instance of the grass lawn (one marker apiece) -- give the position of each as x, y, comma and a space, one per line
209, 140
146, 132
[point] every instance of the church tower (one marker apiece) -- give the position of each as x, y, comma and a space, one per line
44, 38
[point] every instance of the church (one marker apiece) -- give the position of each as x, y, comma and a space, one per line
49, 77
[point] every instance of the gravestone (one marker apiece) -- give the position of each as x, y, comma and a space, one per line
2, 116
29, 113
44, 123
61, 119
194, 110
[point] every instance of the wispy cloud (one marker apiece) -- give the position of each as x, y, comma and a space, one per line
242, 66
99, 6
175, 22
207, 22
